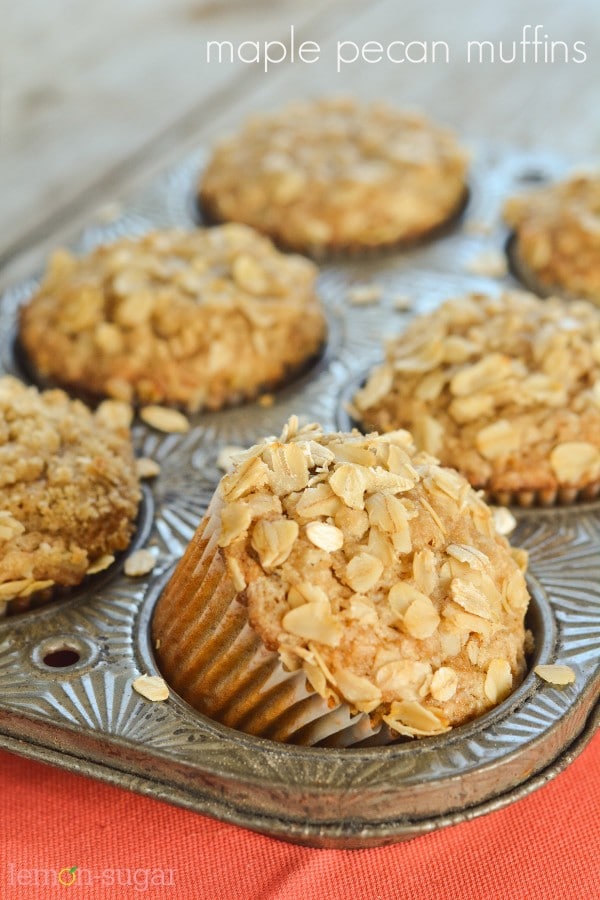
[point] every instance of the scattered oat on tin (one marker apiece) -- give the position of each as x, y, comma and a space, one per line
556, 674
100, 564
171, 421
491, 263
365, 294
152, 687
139, 563
146, 468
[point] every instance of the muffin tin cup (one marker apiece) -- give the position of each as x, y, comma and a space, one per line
84, 714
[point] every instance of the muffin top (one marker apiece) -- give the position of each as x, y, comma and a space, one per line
196, 319
337, 174
68, 489
378, 572
506, 389
557, 231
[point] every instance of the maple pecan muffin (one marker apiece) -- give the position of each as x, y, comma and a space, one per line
197, 319
505, 389
337, 175
69, 493
556, 237
343, 588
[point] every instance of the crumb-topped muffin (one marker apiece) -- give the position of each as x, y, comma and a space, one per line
361, 568
335, 174
556, 237
505, 389
198, 319
69, 493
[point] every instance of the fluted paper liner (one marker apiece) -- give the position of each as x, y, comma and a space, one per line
212, 657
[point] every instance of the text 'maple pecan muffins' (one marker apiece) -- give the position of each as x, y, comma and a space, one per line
199, 319
343, 588
505, 389
69, 493
556, 237
337, 175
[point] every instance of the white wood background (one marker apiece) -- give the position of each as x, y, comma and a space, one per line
95, 97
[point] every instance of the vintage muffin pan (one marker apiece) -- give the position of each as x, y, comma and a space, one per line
66, 670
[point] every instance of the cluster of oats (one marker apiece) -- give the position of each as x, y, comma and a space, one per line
557, 236
68, 491
377, 572
195, 319
505, 389
337, 174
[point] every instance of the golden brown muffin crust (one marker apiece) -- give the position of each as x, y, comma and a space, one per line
196, 319
506, 389
334, 174
557, 236
68, 489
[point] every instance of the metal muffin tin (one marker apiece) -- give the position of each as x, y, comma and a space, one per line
85, 717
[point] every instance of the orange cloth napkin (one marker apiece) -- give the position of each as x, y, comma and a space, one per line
546, 847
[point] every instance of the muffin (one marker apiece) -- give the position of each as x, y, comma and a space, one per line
344, 588
556, 237
337, 175
505, 389
198, 320
69, 494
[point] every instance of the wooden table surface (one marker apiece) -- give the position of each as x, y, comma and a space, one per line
94, 98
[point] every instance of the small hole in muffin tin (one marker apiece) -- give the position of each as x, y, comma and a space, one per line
62, 658
64, 653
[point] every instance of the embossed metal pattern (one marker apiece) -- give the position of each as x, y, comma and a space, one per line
87, 718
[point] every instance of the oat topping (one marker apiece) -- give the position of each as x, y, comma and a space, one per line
146, 468
378, 573
226, 457
152, 687
491, 263
557, 232
195, 319
139, 563
336, 174
556, 674
162, 419
104, 562
365, 294
506, 389
68, 490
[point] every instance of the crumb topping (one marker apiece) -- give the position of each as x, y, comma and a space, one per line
193, 319
377, 572
337, 173
68, 490
506, 389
